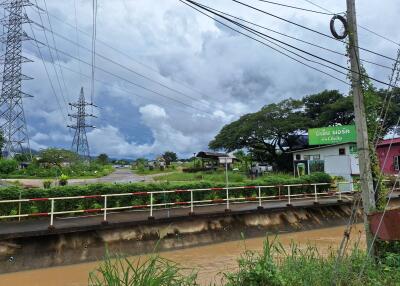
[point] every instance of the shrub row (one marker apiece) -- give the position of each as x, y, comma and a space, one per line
13, 193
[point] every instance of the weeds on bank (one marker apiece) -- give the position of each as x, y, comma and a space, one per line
274, 266
153, 271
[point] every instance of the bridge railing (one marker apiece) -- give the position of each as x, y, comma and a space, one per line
285, 194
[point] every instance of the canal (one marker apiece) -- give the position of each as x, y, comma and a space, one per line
208, 260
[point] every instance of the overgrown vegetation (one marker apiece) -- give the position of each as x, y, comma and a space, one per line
274, 266
51, 163
12, 193
306, 266
154, 271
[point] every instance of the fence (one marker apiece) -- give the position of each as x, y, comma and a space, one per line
285, 193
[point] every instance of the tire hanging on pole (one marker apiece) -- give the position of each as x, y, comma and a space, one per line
333, 29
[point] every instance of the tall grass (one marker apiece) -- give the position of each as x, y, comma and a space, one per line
154, 271
273, 266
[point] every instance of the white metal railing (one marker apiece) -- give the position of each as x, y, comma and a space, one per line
151, 206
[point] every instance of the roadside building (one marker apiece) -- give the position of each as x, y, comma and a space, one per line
335, 159
388, 152
212, 160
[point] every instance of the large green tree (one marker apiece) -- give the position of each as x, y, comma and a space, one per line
170, 157
278, 128
54, 156
102, 159
268, 134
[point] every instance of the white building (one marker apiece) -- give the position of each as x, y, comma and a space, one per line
335, 160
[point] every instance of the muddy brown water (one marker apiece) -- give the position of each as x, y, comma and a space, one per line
208, 260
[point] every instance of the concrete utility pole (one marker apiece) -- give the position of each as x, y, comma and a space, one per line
367, 187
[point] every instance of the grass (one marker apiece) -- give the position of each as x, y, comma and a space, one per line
154, 271
216, 176
274, 266
152, 172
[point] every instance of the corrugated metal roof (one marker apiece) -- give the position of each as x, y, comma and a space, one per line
389, 141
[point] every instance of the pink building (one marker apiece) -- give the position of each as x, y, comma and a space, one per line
391, 166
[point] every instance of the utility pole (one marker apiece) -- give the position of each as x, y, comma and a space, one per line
12, 115
80, 143
367, 187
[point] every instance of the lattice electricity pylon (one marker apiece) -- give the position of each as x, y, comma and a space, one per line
12, 116
80, 143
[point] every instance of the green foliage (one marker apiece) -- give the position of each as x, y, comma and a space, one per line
25, 157
306, 266
12, 193
8, 166
170, 157
47, 184
153, 271
54, 156
277, 128
102, 159
63, 180
77, 169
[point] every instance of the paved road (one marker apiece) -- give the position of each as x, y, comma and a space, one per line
62, 225
123, 175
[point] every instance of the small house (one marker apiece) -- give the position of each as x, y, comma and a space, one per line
214, 159
336, 160
388, 152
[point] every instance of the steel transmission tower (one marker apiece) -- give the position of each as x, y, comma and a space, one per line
80, 143
12, 116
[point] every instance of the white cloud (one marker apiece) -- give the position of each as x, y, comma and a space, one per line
223, 74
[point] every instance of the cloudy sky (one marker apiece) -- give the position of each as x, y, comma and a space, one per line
179, 76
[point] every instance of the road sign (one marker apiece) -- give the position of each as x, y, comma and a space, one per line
332, 135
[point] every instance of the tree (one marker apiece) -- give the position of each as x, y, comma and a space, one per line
102, 159
170, 157
268, 134
54, 156
8, 166
281, 127
328, 108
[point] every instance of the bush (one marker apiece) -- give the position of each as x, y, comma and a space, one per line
306, 266
47, 184
12, 193
8, 166
154, 270
63, 181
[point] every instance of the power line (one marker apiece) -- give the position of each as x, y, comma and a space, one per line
107, 83
309, 29
94, 35
294, 38
128, 56
54, 42
362, 27
279, 41
47, 72
127, 80
263, 43
77, 36
127, 68
297, 8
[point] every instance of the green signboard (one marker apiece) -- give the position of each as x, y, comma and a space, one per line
332, 135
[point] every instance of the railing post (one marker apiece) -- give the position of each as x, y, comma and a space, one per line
19, 206
260, 207
191, 203
340, 194
315, 195
289, 204
151, 206
227, 200
105, 211
51, 226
